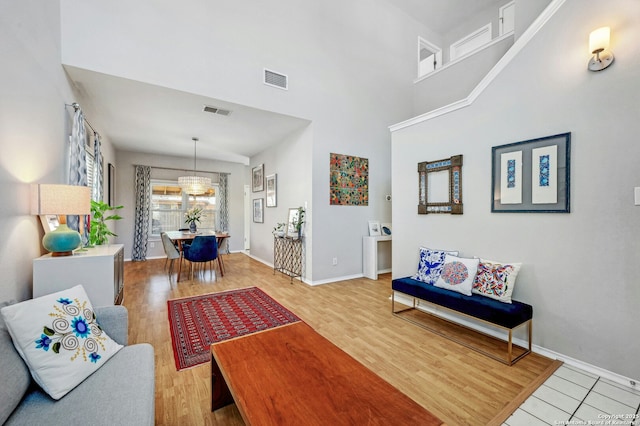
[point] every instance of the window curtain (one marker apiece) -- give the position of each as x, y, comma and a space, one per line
143, 203
98, 181
223, 200
77, 165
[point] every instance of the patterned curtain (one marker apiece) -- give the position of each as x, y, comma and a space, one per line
98, 181
77, 164
143, 203
223, 200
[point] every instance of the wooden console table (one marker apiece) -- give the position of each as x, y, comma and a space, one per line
291, 375
287, 256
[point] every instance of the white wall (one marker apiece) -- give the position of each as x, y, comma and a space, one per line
580, 269
125, 195
34, 129
350, 68
290, 161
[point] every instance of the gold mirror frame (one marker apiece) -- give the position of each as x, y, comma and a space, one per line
454, 166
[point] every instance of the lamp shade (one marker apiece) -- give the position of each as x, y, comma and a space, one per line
61, 200
599, 39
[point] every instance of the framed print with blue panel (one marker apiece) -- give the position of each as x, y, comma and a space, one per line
532, 176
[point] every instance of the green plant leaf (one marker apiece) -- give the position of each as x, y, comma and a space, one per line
49, 332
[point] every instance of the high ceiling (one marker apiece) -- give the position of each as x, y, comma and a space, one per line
144, 118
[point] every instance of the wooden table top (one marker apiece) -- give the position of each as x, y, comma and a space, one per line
291, 375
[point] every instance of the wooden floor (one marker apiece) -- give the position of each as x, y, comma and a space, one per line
458, 385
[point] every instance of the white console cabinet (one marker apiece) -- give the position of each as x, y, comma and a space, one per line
100, 270
370, 256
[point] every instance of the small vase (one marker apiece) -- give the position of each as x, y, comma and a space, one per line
193, 228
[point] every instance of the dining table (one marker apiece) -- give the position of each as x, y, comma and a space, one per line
181, 237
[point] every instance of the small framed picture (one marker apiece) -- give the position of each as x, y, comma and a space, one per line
49, 222
374, 228
292, 220
257, 178
258, 211
272, 200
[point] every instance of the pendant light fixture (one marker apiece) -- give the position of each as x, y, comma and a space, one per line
194, 185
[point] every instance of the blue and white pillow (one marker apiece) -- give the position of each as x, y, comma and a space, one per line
430, 264
59, 339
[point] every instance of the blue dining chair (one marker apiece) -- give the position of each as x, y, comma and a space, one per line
203, 249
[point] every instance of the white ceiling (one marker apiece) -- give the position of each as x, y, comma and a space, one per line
141, 117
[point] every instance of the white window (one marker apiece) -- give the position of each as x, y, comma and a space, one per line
429, 57
169, 204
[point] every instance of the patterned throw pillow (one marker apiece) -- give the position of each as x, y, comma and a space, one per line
430, 264
496, 279
59, 339
458, 274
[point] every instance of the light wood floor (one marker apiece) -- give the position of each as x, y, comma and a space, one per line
458, 385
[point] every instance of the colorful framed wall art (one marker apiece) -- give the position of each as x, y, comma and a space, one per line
348, 180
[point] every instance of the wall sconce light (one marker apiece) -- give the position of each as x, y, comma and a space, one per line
598, 46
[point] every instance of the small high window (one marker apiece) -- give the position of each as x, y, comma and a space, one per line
429, 57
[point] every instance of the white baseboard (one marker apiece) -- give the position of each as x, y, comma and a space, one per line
593, 369
336, 279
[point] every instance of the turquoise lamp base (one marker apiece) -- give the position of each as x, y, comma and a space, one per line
62, 241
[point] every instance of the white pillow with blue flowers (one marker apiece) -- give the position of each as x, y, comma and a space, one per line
59, 339
430, 264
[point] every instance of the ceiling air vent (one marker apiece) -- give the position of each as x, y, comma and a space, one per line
214, 110
274, 79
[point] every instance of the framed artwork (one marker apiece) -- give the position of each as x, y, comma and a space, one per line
257, 178
292, 219
258, 210
49, 222
111, 180
531, 176
440, 186
272, 200
374, 228
348, 180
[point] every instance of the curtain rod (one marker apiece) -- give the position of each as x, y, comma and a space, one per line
183, 169
76, 106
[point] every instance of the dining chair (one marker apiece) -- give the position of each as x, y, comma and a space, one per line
203, 249
171, 251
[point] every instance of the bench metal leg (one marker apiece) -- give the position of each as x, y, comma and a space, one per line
509, 360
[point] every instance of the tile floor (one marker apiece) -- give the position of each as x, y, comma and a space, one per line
574, 397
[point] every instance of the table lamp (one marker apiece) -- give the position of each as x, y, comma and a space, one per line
61, 200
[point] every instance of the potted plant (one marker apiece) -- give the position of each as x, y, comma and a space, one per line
99, 232
298, 221
278, 230
193, 215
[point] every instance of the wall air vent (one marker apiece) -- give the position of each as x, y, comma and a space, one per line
274, 79
214, 110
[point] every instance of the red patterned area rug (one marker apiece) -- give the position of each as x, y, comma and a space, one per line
197, 322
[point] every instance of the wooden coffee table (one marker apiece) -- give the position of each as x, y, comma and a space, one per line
291, 375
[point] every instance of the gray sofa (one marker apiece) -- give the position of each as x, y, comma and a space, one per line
121, 392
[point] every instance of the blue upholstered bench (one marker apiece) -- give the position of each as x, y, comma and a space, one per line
508, 316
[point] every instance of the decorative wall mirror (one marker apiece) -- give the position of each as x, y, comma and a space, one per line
440, 186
